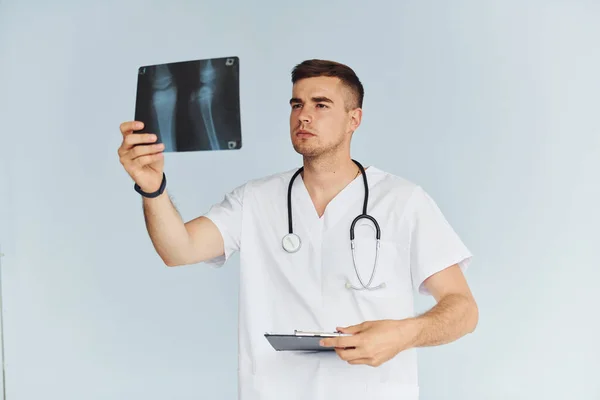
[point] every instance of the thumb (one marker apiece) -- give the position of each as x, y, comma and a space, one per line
353, 329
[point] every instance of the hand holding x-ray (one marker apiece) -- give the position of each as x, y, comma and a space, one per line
191, 105
141, 156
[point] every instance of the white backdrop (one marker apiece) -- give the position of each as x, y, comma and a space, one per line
491, 106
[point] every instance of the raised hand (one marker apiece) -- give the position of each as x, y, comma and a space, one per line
142, 158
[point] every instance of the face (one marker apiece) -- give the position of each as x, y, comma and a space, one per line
321, 117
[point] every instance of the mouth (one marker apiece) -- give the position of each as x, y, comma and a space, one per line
304, 134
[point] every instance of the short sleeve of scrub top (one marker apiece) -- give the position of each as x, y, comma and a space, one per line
434, 245
227, 216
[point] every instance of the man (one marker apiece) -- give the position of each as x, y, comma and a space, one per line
315, 280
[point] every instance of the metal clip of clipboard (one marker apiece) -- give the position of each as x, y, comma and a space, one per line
311, 333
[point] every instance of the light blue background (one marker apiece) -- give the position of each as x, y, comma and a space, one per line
491, 106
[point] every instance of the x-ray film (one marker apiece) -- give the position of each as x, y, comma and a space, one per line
191, 105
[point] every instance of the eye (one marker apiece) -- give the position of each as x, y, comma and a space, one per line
295, 106
321, 105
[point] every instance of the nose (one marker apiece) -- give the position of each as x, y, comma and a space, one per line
304, 116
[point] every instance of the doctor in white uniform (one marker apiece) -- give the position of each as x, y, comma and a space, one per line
298, 267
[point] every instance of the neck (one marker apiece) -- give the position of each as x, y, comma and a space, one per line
325, 178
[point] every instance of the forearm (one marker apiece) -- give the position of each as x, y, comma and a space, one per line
167, 230
451, 318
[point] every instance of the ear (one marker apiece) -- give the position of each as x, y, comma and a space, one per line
355, 119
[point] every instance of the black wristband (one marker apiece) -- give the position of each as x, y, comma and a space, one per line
160, 190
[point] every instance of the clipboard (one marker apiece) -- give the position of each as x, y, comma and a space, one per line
301, 340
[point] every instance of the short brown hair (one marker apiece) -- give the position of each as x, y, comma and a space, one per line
314, 68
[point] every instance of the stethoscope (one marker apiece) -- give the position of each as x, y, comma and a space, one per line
291, 242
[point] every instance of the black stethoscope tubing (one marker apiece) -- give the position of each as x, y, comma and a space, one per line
364, 209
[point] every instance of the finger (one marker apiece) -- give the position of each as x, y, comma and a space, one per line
128, 152
350, 354
341, 341
131, 142
353, 329
141, 138
357, 361
329, 342
148, 159
129, 126
146, 150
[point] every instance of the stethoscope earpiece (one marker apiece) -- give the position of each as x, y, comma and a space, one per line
292, 243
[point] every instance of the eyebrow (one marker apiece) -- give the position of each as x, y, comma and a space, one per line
319, 99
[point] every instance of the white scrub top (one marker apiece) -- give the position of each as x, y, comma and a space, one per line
281, 292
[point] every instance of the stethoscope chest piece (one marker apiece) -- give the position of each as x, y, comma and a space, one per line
291, 243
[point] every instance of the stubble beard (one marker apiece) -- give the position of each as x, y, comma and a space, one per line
316, 151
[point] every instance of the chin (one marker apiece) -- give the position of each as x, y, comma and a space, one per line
307, 151
310, 152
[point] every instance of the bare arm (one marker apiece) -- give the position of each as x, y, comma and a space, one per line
176, 242
455, 314
375, 342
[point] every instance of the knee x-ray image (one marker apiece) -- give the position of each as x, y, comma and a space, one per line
191, 105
